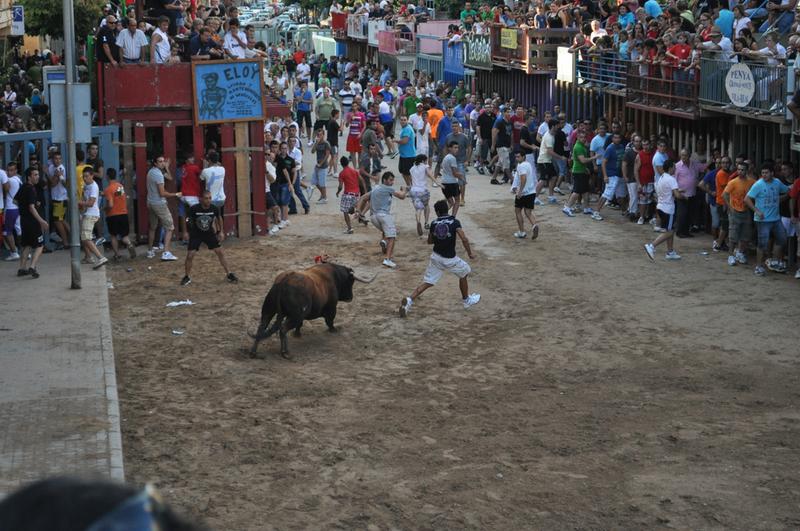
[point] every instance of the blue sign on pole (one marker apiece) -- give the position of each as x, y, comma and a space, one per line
228, 91
17, 20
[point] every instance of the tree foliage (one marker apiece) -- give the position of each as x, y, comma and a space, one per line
44, 17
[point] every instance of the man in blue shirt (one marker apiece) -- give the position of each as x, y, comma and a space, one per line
763, 199
304, 99
611, 168
407, 149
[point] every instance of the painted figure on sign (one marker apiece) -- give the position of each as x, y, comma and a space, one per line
211, 98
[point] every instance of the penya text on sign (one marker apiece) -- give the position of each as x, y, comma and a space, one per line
740, 85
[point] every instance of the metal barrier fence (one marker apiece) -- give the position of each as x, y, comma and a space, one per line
432, 64
662, 87
601, 70
769, 84
20, 147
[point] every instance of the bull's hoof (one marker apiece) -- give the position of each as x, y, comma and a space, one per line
333, 329
286, 356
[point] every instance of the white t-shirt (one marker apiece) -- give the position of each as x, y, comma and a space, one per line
543, 128
233, 46
355, 86
303, 72
3, 181
59, 191
664, 188
89, 191
271, 172
525, 168
419, 177
14, 183
548, 142
772, 57
214, 176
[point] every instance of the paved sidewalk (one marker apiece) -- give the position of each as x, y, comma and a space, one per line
58, 393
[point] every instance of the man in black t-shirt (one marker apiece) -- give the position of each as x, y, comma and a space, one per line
204, 223
501, 141
32, 224
282, 188
485, 123
107, 50
442, 235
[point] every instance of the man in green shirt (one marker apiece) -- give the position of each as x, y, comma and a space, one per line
468, 11
486, 14
580, 174
323, 108
459, 92
410, 101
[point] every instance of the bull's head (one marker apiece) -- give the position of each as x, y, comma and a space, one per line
344, 277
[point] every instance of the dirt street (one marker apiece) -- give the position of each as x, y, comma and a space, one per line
589, 389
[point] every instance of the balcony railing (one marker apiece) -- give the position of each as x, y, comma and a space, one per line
509, 47
528, 49
756, 89
373, 28
396, 42
357, 28
544, 45
663, 90
429, 44
601, 70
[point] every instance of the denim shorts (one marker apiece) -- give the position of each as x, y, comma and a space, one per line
284, 195
318, 176
766, 228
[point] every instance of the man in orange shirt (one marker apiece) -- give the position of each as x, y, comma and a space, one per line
117, 214
722, 179
434, 116
740, 217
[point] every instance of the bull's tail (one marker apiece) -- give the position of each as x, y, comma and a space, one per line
268, 311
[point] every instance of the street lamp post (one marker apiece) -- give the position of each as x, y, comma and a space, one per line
69, 79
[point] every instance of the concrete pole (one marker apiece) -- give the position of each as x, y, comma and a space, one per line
69, 79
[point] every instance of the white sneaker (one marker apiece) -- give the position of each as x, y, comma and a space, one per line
167, 256
640, 221
283, 224
652, 221
405, 306
12, 257
519, 234
552, 200
741, 257
472, 300
151, 253
389, 263
537, 202
322, 201
160, 246
568, 212
348, 231
659, 229
672, 255
651, 251
100, 263
731, 260
596, 216
274, 229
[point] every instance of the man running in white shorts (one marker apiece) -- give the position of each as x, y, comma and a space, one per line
442, 235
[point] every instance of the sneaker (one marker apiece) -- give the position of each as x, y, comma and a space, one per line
494, 181
419, 228
640, 221
659, 229
388, 263
12, 257
797, 274
537, 202
233, 279
185, 281
472, 300
100, 241
672, 255
322, 201
552, 200
151, 253
588, 211
132, 251
33, 273
87, 260
558, 190
741, 257
568, 212
348, 231
22, 272
651, 251
103, 261
160, 247
652, 221
167, 256
405, 306
427, 226
283, 224
596, 216
534, 232
520, 234
393, 154
759, 271
613, 206
383, 246
732, 260
481, 170
776, 266
274, 229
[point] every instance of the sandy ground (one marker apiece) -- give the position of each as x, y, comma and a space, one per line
589, 389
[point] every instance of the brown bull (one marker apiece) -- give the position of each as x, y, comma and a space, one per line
297, 296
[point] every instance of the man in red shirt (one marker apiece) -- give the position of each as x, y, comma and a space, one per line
191, 189
680, 54
349, 180
794, 212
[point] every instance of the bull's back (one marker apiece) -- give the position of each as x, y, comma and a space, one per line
298, 295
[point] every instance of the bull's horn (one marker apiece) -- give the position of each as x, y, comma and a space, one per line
364, 280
